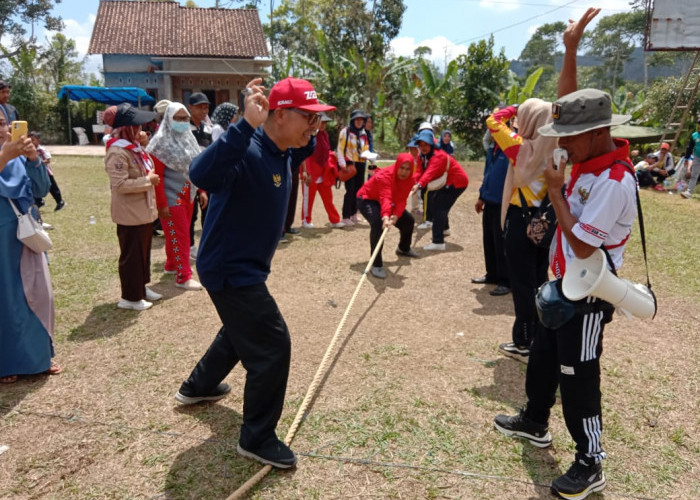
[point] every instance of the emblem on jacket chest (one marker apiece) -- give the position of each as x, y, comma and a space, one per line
583, 194
277, 180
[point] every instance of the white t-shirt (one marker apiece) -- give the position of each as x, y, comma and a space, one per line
605, 206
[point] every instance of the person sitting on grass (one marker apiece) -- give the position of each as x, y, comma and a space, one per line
646, 171
382, 201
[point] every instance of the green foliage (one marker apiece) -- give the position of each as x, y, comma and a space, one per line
613, 40
16, 16
37, 75
518, 94
481, 76
542, 47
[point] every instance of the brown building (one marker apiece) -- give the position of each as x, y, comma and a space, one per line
172, 51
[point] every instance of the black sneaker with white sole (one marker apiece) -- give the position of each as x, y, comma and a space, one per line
521, 353
187, 397
272, 452
579, 481
519, 426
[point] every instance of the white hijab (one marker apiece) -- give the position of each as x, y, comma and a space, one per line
175, 150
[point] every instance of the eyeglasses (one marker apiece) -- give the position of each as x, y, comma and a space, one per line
312, 118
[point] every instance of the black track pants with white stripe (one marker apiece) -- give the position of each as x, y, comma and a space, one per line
569, 358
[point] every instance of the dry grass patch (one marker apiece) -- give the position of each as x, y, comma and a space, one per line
406, 411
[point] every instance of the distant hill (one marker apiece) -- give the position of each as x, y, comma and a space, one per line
633, 71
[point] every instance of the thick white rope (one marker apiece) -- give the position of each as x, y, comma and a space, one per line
315, 383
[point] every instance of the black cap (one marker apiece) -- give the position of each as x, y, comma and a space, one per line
198, 98
127, 115
4, 85
358, 114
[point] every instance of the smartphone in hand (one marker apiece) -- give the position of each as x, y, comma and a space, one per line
559, 154
18, 129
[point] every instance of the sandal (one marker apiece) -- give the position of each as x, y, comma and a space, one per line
55, 369
10, 379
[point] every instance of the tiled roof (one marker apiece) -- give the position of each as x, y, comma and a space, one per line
167, 29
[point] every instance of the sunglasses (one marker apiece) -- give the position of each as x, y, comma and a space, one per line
312, 118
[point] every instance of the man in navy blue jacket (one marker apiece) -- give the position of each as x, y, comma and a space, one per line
247, 174
489, 203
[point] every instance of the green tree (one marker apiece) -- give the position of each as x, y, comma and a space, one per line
59, 63
613, 40
481, 76
543, 46
16, 15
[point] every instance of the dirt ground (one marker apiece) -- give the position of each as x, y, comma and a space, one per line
406, 411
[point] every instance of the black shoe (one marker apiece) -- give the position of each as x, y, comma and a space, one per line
59, 206
273, 452
483, 281
522, 427
500, 290
406, 253
579, 481
521, 353
293, 230
187, 397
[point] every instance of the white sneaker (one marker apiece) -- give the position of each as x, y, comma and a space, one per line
686, 194
348, 222
46, 225
425, 225
151, 295
190, 284
307, 225
167, 271
338, 224
434, 246
138, 305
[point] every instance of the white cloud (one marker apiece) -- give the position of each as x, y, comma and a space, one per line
500, 6
442, 48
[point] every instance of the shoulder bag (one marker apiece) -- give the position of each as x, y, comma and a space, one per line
440, 182
30, 232
542, 224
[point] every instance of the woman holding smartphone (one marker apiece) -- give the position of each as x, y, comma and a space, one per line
26, 296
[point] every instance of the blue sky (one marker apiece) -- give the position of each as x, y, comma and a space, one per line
446, 26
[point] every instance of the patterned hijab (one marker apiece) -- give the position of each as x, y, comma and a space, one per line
175, 150
223, 114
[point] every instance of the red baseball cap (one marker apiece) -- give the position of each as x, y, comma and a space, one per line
296, 93
664, 145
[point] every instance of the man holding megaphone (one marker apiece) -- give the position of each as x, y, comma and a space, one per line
597, 210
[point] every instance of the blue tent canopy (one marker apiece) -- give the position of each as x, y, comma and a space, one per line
106, 95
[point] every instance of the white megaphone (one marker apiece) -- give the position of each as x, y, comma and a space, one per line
591, 277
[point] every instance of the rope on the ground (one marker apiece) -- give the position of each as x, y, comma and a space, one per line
316, 383
358, 461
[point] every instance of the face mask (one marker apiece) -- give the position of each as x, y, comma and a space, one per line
180, 127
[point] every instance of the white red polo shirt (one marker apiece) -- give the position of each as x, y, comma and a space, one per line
602, 196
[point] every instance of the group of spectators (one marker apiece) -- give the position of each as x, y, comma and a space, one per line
251, 168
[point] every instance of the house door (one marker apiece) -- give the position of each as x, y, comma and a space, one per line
222, 96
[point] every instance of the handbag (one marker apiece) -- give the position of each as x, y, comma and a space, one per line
347, 173
541, 224
440, 182
30, 232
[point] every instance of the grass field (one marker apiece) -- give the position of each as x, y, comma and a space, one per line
406, 411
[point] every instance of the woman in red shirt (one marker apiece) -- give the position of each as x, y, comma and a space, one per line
436, 162
382, 200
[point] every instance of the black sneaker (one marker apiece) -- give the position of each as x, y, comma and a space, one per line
187, 397
59, 206
579, 481
521, 353
522, 427
406, 253
293, 230
273, 452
